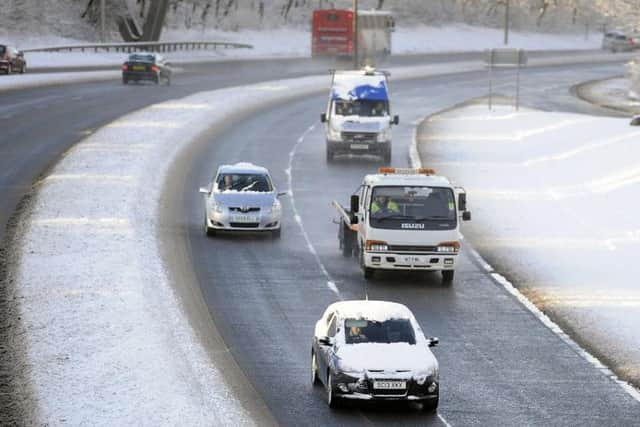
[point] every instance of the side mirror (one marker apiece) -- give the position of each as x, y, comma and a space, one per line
323, 117
462, 202
204, 190
466, 216
355, 203
326, 341
282, 193
396, 120
433, 342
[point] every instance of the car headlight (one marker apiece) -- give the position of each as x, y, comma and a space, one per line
384, 135
216, 208
376, 246
276, 208
347, 369
422, 377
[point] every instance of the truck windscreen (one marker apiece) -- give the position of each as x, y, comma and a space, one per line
413, 208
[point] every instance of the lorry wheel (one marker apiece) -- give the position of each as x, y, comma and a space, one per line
368, 272
447, 276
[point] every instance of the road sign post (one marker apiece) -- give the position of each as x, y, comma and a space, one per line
505, 58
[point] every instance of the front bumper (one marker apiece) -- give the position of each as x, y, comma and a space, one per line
4, 65
349, 387
257, 222
354, 147
411, 261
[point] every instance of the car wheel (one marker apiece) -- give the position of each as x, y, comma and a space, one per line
447, 276
332, 400
276, 233
314, 369
208, 230
430, 405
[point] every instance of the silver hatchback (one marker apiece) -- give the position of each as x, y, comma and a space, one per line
242, 197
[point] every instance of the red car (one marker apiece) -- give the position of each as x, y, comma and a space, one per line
12, 60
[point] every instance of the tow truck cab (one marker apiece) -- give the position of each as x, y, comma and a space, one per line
408, 219
358, 116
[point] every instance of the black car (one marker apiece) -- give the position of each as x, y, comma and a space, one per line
12, 60
146, 66
374, 350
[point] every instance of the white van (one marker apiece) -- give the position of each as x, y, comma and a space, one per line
358, 117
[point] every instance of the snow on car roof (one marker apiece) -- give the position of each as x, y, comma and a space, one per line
243, 167
372, 310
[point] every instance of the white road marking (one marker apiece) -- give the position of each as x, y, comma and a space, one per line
416, 162
331, 284
444, 421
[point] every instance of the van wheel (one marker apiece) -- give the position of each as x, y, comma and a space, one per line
447, 276
330, 155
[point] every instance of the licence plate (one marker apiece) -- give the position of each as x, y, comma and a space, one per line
413, 260
244, 218
359, 147
139, 68
390, 385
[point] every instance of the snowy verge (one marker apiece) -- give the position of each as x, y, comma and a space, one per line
559, 181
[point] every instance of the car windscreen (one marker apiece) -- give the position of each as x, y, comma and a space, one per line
141, 58
362, 108
412, 208
358, 331
243, 182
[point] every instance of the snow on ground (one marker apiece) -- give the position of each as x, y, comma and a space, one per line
288, 42
554, 198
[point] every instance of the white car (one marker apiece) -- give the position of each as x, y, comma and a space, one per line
242, 197
374, 350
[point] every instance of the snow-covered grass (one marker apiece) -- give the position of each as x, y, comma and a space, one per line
291, 42
554, 197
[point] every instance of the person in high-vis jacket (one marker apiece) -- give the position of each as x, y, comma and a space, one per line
383, 205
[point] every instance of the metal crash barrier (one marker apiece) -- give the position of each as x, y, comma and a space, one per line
143, 46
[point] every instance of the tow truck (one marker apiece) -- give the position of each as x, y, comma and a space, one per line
404, 219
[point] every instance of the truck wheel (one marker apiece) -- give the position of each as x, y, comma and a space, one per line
367, 272
447, 276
